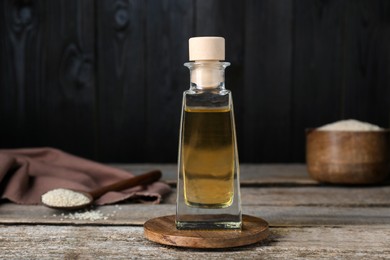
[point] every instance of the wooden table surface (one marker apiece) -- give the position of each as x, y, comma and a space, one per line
307, 220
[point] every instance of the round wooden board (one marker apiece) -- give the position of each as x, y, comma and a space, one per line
163, 230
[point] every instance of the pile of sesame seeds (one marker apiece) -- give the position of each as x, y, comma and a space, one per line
64, 198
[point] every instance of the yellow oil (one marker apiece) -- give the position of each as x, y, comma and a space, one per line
208, 157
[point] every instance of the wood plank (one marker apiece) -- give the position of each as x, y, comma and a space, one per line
22, 72
267, 89
366, 62
317, 196
169, 25
68, 89
70, 242
317, 67
47, 93
137, 214
317, 60
121, 80
311, 196
305, 219
250, 174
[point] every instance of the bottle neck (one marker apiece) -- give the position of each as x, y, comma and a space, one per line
207, 74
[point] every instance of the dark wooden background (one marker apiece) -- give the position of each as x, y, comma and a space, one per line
104, 79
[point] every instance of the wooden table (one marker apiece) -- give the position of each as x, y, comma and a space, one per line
307, 220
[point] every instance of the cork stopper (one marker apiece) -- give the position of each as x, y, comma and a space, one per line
207, 48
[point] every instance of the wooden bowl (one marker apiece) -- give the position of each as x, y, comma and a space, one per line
348, 157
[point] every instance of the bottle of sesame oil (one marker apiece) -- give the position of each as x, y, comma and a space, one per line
208, 170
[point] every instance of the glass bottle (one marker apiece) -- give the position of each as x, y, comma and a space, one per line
208, 190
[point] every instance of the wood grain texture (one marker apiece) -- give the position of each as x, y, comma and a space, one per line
275, 210
317, 67
121, 80
306, 221
343, 157
163, 230
68, 92
72, 242
169, 26
48, 77
268, 58
22, 71
137, 215
366, 63
104, 79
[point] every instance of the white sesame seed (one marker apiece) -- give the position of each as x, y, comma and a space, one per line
64, 198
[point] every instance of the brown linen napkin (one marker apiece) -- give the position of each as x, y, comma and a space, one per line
26, 174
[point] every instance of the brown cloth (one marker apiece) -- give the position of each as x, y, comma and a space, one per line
26, 174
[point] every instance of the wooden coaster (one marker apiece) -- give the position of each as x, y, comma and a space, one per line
163, 230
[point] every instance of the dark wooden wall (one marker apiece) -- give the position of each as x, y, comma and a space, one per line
104, 79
